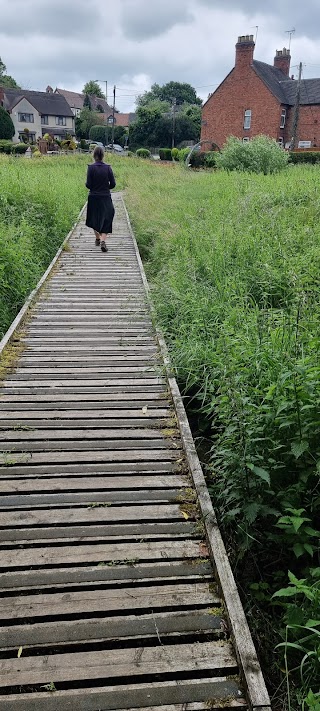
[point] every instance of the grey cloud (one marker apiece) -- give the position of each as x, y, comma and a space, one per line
142, 19
59, 19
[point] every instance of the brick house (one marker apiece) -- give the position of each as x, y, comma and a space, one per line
258, 98
37, 111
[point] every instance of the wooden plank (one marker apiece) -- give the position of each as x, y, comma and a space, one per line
102, 423
112, 698
80, 401
89, 483
113, 414
87, 469
94, 575
135, 455
149, 625
105, 444
142, 496
115, 663
109, 533
106, 514
81, 434
107, 600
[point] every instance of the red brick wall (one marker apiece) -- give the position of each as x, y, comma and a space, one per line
223, 114
308, 125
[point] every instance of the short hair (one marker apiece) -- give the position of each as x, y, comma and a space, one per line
98, 153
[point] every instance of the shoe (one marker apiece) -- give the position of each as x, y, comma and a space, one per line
104, 247
97, 241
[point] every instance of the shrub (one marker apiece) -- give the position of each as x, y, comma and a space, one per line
165, 154
83, 144
143, 153
7, 129
203, 160
307, 157
19, 147
210, 159
5, 146
99, 133
183, 154
260, 155
37, 154
175, 153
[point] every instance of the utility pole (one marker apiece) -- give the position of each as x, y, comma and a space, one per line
296, 111
106, 91
113, 113
174, 104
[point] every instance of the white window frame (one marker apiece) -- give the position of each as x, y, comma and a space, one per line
245, 139
25, 114
44, 120
61, 121
247, 119
283, 118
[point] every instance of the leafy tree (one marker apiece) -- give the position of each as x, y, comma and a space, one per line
86, 120
183, 93
87, 102
194, 114
100, 133
6, 79
92, 87
7, 129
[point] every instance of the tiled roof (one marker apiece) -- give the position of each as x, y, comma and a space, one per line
76, 100
284, 89
124, 119
273, 78
43, 102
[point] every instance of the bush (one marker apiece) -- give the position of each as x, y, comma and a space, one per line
83, 144
175, 153
143, 153
99, 133
5, 146
210, 159
260, 155
7, 129
183, 154
68, 145
204, 160
19, 147
307, 157
165, 154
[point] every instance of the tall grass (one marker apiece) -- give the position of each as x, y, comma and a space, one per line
234, 263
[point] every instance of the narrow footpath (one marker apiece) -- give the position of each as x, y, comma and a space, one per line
108, 543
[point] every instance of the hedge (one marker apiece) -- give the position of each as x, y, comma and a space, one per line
307, 157
165, 154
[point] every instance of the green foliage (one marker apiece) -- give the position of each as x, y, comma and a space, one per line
143, 153
203, 159
305, 157
154, 125
120, 132
5, 79
86, 120
68, 145
182, 92
87, 102
6, 146
259, 155
7, 129
175, 153
100, 133
93, 88
165, 154
19, 148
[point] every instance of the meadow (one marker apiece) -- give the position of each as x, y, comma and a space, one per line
233, 262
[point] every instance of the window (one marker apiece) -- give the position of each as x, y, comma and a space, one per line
283, 118
247, 119
60, 120
44, 120
280, 141
110, 120
25, 118
245, 139
30, 138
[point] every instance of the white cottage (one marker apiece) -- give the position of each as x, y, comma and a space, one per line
39, 112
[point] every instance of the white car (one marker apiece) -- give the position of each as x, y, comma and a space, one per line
116, 148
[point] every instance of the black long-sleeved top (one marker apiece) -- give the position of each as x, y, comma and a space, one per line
100, 178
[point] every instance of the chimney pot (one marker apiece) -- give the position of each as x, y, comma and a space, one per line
282, 60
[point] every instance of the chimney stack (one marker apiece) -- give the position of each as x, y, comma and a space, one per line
244, 51
282, 60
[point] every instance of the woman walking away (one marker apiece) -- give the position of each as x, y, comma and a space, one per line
100, 210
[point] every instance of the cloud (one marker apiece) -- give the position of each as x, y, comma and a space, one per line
58, 19
142, 19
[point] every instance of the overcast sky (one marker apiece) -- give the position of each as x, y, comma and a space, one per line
134, 43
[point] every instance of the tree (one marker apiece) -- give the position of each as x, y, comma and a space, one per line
6, 79
183, 93
87, 102
7, 129
100, 133
86, 120
194, 114
92, 87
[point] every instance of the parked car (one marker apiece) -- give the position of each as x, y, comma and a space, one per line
93, 144
116, 148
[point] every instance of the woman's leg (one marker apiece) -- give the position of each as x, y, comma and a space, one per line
97, 234
103, 238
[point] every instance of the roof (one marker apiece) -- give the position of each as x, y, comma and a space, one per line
44, 103
124, 119
273, 78
285, 89
75, 100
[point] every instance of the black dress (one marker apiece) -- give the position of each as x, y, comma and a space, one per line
100, 210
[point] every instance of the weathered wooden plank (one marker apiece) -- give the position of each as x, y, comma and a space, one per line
90, 515
27, 435
82, 401
135, 455
77, 469
109, 444
137, 598
93, 575
104, 553
155, 625
113, 414
89, 483
96, 533
63, 423
142, 496
113, 698
115, 663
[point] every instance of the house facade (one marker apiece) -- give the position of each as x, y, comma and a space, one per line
258, 98
75, 101
39, 113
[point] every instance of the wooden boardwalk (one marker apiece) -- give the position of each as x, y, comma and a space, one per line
108, 599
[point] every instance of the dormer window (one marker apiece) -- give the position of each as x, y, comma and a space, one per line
247, 119
283, 118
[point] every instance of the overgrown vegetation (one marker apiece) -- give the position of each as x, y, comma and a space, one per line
259, 155
234, 263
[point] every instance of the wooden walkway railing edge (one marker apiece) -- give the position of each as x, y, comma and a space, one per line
258, 696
